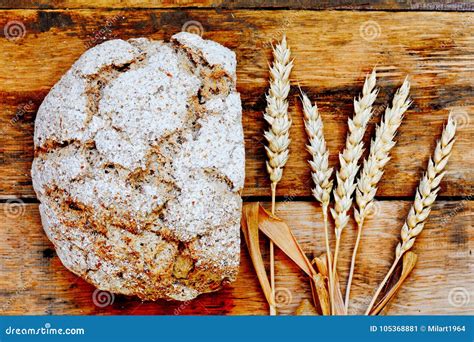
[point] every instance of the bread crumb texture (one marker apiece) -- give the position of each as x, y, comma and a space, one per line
139, 161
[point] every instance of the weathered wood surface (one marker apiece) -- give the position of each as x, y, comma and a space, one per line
332, 51
416, 5
35, 282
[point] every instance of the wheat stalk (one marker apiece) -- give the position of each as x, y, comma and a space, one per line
372, 170
349, 159
278, 136
320, 170
424, 199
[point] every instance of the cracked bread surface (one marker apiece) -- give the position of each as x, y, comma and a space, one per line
139, 163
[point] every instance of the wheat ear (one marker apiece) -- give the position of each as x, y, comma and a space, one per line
424, 199
372, 170
278, 136
349, 159
320, 171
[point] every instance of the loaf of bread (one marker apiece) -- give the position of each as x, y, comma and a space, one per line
139, 163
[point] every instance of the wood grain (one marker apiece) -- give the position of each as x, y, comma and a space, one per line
417, 5
332, 51
34, 281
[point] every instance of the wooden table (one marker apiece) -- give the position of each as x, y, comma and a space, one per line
334, 46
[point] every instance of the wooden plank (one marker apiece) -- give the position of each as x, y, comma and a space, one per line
415, 5
33, 280
332, 51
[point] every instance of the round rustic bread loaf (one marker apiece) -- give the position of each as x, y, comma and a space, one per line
139, 160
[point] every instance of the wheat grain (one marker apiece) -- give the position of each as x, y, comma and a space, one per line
424, 199
380, 152
372, 170
276, 113
352, 153
320, 170
278, 136
349, 159
427, 189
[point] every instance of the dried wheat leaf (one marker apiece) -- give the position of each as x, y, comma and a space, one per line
279, 232
323, 272
314, 294
306, 309
409, 261
250, 230
339, 307
320, 291
322, 266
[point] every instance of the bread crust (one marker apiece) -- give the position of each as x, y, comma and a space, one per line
139, 162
